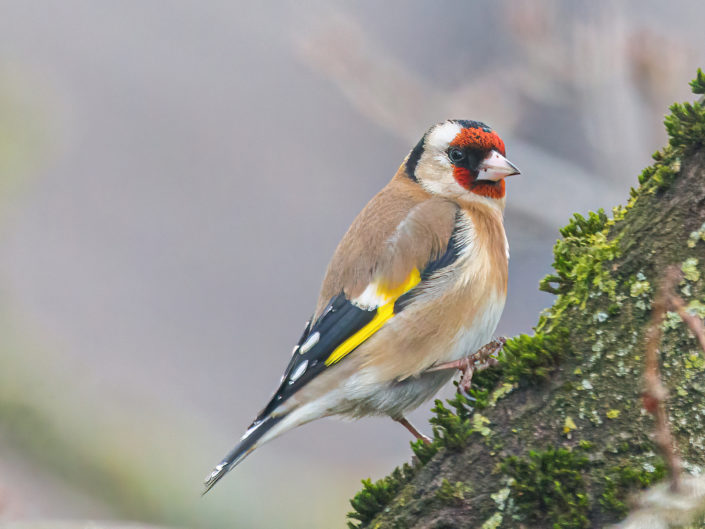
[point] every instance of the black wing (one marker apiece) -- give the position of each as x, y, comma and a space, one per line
340, 320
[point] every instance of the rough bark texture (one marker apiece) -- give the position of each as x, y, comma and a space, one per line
558, 436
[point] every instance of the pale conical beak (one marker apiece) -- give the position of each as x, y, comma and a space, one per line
495, 167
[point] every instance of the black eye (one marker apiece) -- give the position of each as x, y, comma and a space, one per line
456, 155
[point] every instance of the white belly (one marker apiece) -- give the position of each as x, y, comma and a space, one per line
469, 339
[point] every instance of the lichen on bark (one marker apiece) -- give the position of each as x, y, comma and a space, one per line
556, 435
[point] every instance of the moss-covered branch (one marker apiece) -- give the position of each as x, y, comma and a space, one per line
556, 435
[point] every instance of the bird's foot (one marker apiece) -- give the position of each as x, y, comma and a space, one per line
483, 358
406, 424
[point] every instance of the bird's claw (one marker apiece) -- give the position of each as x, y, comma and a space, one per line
484, 357
465, 392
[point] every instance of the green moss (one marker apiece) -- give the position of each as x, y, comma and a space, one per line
613, 413
452, 494
686, 130
580, 264
624, 479
452, 429
573, 260
493, 522
660, 175
697, 308
531, 359
500, 392
548, 487
639, 288
686, 126
690, 269
374, 497
585, 445
456, 421
487, 379
424, 451
698, 84
696, 236
486, 388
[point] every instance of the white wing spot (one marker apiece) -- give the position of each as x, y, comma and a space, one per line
370, 298
310, 342
300, 370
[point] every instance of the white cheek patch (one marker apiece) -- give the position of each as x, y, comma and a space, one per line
444, 188
442, 160
435, 174
441, 136
434, 169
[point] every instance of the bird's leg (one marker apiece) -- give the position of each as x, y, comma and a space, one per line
483, 358
406, 424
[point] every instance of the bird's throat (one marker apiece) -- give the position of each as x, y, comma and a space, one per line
485, 188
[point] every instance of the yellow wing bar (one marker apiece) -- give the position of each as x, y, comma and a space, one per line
384, 313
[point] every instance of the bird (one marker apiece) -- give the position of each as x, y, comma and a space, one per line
417, 283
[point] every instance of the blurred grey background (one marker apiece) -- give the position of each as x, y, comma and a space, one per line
175, 175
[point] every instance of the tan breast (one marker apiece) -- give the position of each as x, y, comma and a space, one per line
490, 256
457, 313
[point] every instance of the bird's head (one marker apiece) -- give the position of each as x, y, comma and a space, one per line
461, 160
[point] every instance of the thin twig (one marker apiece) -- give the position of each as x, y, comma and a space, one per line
694, 323
655, 394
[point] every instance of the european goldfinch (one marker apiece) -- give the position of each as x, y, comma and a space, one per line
418, 281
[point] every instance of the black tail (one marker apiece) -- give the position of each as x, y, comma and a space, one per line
246, 445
